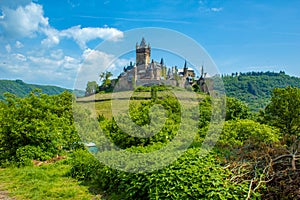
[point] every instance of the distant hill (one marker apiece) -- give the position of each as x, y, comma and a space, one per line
255, 88
20, 89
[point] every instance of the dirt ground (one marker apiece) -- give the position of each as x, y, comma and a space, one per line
4, 196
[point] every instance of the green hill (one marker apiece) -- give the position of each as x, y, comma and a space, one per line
255, 88
19, 88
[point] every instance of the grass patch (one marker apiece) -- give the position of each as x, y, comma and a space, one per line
43, 182
101, 104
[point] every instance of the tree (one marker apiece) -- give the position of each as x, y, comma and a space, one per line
105, 79
235, 109
91, 88
284, 110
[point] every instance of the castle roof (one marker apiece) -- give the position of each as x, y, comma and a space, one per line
143, 43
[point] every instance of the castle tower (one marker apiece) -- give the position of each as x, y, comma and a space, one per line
202, 72
143, 52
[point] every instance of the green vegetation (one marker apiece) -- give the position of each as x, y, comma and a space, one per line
256, 156
106, 82
278, 112
21, 89
44, 182
255, 88
35, 127
248, 158
91, 88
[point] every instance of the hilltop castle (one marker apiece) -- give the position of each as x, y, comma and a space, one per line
145, 72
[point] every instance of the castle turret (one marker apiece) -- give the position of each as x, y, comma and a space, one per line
202, 72
143, 52
162, 62
169, 74
185, 69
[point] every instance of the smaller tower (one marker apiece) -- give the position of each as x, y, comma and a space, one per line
162, 62
185, 69
169, 74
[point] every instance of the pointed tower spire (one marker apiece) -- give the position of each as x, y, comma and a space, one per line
143, 43
185, 64
185, 69
161, 61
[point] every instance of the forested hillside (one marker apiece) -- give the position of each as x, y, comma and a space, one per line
255, 88
21, 89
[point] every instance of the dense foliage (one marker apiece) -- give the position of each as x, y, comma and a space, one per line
189, 177
35, 127
256, 156
284, 110
141, 116
91, 88
255, 88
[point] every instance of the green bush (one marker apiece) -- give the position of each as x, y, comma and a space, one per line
35, 127
84, 165
26, 154
163, 128
189, 177
239, 132
193, 177
236, 109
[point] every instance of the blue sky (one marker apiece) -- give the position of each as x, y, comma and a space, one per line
46, 42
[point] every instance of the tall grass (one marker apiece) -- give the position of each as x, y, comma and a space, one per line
43, 182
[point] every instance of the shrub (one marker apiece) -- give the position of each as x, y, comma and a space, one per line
35, 127
161, 128
238, 132
84, 165
189, 177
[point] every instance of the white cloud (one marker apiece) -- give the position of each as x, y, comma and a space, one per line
20, 57
40, 64
57, 54
52, 64
24, 21
84, 35
95, 57
94, 62
52, 37
45, 62
70, 63
216, 9
18, 44
29, 21
80, 35
8, 48
209, 6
